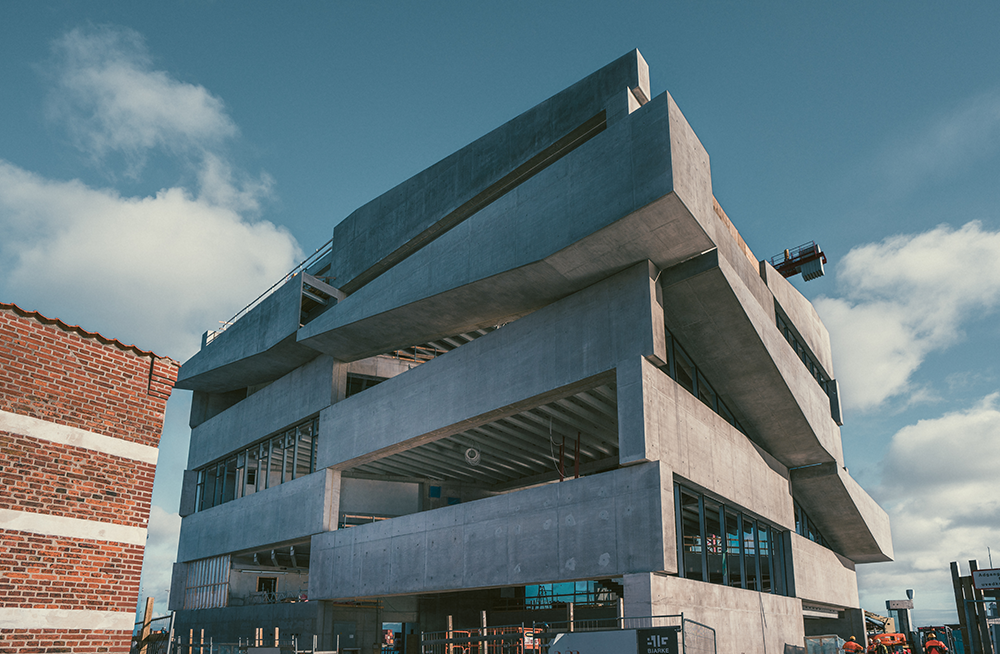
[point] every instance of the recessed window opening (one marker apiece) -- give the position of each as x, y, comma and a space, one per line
358, 383
268, 463
719, 544
805, 356
804, 526
683, 370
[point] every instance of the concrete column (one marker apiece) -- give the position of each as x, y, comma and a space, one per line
633, 444
638, 594
331, 502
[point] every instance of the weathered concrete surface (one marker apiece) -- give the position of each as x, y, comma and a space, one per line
405, 212
291, 511
845, 514
292, 398
586, 257
734, 339
612, 202
701, 447
744, 620
803, 316
821, 575
476, 383
593, 527
258, 348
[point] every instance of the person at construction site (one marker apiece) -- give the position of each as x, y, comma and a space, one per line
852, 646
880, 648
934, 646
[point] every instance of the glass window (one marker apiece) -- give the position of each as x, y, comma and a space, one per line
220, 482
277, 461
705, 393
251, 484
199, 491
289, 455
209, 500
750, 553
289, 444
721, 545
714, 542
734, 561
691, 535
229, 483
241, 477
726, 413
303, 453
764, 557
683, 369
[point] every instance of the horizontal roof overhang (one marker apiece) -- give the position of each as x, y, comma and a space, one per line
849, 519
715, 327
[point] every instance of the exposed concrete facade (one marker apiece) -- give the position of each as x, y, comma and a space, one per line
562, 298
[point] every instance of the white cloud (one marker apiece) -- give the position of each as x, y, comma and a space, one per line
903, 298
155, 270
111, 100
940, 488
157, 566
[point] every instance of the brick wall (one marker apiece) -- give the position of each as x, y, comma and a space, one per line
51, 572
63, 480
66, 375
80, 420
29, 641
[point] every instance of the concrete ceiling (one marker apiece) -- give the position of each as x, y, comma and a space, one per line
517, 450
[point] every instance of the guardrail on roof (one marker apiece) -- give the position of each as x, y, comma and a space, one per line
320, 252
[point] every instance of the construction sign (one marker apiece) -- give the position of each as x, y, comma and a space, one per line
662, 640
986, 579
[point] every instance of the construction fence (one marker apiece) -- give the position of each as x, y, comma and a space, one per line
538, 638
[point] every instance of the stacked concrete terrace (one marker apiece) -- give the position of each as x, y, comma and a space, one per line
561, 300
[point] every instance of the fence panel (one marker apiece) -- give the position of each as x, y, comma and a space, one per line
698, 638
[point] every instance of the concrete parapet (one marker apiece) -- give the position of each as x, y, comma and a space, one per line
595, 527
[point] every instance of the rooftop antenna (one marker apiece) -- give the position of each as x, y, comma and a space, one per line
807, 259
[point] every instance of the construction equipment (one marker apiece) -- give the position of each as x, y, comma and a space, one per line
807, 259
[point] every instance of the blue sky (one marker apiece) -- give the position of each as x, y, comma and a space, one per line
163, 163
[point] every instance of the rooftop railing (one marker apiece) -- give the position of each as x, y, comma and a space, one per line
312, 259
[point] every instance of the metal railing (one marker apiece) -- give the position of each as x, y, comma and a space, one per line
696, 638
320, 252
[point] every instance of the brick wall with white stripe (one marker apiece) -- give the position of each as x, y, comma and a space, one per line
80, 421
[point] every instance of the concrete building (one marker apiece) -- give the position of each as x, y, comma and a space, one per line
545, 370
80, 421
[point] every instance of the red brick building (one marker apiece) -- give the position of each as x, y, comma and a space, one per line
80, 423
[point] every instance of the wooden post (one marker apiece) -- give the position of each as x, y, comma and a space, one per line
275, 636
144, 634
621, 613
449, 635
963, 610
984, 626
975, 635
191, 642
569, 614
201, 643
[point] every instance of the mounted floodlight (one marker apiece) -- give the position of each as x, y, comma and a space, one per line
807, 259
